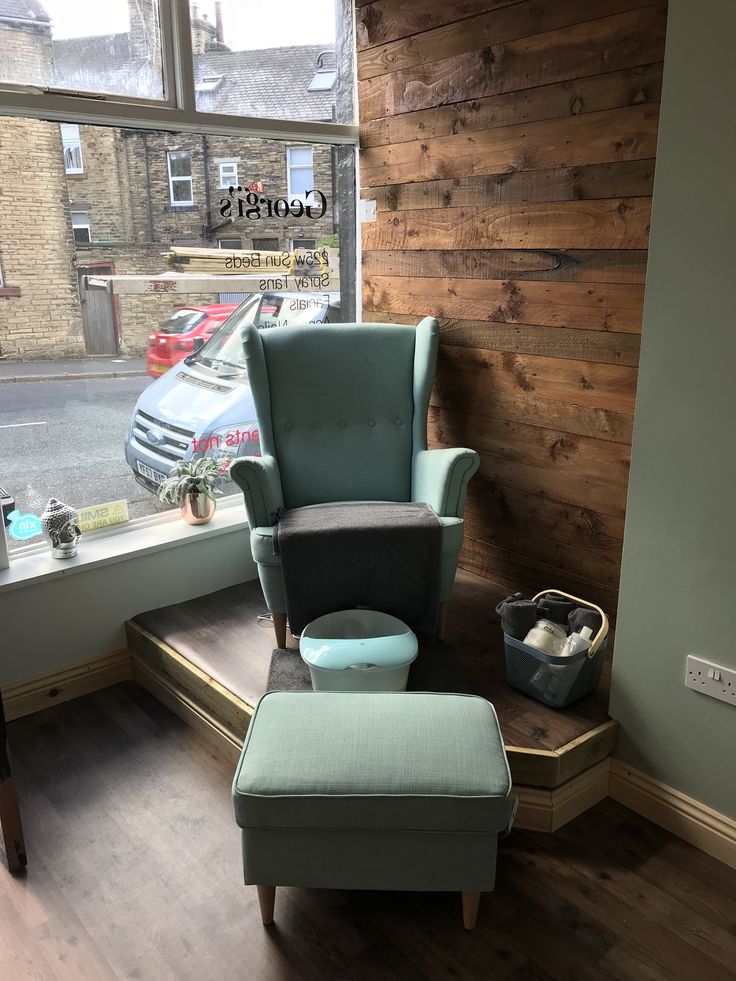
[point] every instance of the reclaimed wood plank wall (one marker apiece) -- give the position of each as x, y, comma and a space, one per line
510, 149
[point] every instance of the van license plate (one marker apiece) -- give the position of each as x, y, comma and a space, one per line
153, 475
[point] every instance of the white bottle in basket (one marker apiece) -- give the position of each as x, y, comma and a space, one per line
577, 642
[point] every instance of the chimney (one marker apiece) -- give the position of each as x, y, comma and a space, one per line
203, 33
219, 32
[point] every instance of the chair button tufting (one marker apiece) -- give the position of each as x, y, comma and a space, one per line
315, 424
399, 422
343, 424
371, 422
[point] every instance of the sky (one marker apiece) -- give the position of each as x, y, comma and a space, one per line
248, 24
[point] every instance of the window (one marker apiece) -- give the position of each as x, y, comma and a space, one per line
300, 171
304, 244
112, 47
180, 177
72, 146
229, 173
266, 244
208, 83
117, 88
323, 80
80, 227
2, 277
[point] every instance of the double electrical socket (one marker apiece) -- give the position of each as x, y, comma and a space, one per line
711, 679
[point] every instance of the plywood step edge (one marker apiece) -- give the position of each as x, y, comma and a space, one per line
529, 767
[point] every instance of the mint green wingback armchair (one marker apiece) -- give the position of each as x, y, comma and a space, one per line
342, 415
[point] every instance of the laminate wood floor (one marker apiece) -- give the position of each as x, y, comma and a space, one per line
221, 634
135, 872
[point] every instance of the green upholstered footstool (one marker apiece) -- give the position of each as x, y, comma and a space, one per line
372, 791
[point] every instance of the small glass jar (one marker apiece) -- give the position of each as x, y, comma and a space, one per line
547, 636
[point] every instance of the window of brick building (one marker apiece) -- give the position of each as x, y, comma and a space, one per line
72, 146
80, 227
304, 244
229, 173
300, 170
230, 243
266, 244
180, 177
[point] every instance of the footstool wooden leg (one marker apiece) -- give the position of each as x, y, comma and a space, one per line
471, 901
266, 900
279, 626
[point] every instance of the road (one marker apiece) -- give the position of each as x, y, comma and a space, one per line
65, 439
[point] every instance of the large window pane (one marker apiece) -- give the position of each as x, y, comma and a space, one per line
112, 47
102, 438
285, 59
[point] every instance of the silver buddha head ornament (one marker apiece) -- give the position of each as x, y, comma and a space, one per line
59, 521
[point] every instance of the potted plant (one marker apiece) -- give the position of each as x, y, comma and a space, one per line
193, 484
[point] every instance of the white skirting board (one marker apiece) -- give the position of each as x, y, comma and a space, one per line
66, 683
689, 819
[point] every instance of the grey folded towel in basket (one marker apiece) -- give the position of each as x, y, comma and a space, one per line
583, 616
518, 615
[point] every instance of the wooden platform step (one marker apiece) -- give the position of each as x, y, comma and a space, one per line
208, 661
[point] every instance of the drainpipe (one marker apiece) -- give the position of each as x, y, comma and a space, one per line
333, 168
207, 199
149, 209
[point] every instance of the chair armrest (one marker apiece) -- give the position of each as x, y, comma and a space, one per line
259, 479
440, 479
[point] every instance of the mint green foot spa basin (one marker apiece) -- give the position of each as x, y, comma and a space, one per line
358, 650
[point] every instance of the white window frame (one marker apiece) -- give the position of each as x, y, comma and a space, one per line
175, 180
221, 246
84, 224
228, 163
290, 166
177, 111
76, 144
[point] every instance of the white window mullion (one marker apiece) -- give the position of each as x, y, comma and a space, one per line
176, 33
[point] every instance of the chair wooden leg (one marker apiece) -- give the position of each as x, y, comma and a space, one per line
442, 621
266, 900
279, 626
15, 849
471, 901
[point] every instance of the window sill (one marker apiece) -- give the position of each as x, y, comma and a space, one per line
171, 208
9, 290
120, 544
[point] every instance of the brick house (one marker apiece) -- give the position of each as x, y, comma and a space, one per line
114, 200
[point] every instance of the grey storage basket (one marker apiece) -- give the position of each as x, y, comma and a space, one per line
556, 681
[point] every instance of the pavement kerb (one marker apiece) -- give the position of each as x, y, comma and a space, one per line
74, 376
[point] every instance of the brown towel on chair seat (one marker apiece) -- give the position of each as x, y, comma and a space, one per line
381, 555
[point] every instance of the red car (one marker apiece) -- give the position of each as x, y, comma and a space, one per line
174, 339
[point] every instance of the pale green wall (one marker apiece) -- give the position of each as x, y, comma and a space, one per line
678, 579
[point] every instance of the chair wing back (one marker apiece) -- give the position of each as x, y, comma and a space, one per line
342, 407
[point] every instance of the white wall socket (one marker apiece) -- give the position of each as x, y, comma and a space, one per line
711, 679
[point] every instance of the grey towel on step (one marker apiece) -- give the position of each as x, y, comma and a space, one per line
518, 615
